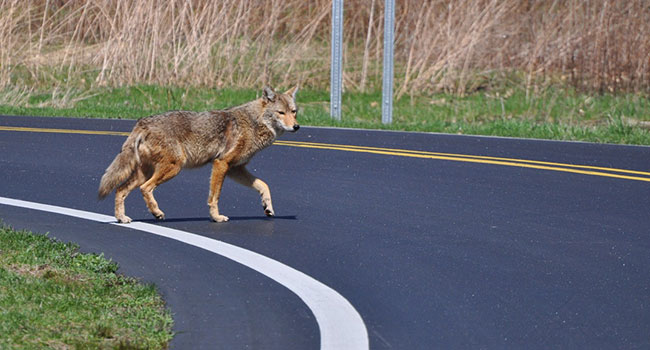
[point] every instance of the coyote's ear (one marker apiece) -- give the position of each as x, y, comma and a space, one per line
269, 94
292, 92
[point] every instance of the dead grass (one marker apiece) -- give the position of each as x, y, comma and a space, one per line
455, 46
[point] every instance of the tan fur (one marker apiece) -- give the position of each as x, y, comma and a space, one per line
161, 145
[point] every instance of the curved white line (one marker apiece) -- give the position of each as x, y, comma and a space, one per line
340, 325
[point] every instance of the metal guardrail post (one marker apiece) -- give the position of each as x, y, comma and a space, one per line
387, 85
336, 77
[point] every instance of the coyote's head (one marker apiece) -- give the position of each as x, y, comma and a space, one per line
280, 109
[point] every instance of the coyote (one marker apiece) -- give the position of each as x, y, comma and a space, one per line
161, 145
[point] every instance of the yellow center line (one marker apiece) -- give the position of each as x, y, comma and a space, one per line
513, 162
297, 144
63, 131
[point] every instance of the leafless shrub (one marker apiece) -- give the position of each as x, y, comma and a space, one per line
456, 46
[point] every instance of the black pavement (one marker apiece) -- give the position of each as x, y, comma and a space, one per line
432, 253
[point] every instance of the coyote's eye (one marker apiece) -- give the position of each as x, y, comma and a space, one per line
294, 111
281, 112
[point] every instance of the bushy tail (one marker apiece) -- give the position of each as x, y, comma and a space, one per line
121, 168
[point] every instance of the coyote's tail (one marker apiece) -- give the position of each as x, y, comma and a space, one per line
121, 168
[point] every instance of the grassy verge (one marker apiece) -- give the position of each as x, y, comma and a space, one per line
51, 296
558, 114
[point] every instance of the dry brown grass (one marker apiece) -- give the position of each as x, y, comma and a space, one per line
441, 45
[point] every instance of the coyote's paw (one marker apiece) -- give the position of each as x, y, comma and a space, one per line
123, 219
268, 207
159, 215
220, 218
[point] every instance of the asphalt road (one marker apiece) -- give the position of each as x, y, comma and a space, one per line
433, 250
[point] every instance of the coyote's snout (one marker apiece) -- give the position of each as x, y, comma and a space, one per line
161, 145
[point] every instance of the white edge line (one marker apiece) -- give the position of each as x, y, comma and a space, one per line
340, 325
438, 133
132, 122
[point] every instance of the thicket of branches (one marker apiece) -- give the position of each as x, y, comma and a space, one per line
441, 45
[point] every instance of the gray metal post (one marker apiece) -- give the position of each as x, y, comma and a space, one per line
336, 77
389, 39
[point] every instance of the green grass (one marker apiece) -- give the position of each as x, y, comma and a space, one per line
559, 114
52, 296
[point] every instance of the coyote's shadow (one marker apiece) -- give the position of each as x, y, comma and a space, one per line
207, 219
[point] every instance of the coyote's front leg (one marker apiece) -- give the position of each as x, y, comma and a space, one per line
219, 170
244, 177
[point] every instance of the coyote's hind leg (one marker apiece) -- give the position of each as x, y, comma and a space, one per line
161, 174
136, 179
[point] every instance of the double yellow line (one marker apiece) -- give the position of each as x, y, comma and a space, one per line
513, 162
522, 163
63, 131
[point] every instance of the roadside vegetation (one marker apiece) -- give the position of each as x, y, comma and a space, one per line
52, 296
555, 114
569, 70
